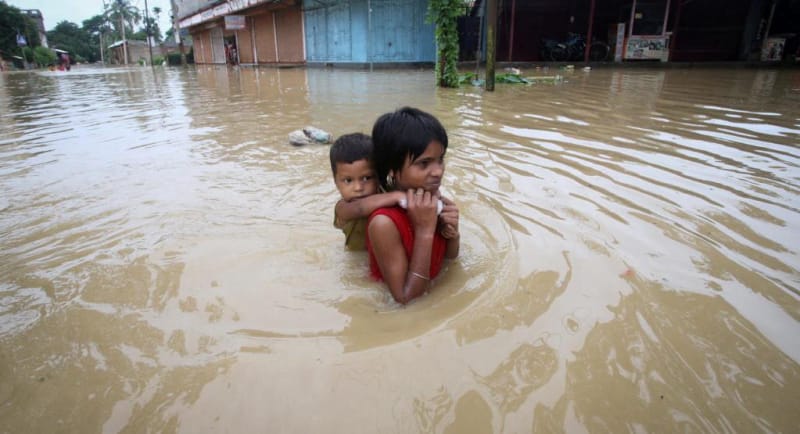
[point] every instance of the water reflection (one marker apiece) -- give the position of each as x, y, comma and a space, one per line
168, 261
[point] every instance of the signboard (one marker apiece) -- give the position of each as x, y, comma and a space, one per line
647, 47
772, 50
234, 22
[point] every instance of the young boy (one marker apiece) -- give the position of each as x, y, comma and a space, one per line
351, 163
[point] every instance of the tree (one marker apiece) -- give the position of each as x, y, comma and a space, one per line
123, 16
155, 30
100, 31
122, 13
69, 37
12, 23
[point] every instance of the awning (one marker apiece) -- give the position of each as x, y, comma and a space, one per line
220, 11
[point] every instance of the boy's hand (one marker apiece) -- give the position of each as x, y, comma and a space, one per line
448, 219
398, 196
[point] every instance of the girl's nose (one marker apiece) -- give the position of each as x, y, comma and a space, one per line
437, 169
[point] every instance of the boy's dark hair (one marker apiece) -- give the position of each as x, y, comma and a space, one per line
350, 148
406, 132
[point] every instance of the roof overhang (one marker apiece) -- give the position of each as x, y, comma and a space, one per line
220, 11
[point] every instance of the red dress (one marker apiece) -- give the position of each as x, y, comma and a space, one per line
400, 218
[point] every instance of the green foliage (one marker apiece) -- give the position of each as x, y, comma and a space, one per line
141, 35
100, 33
155, 30
444, 14
174, 59
11, 22
123, 16
77, 41
27, 53
511, 78
158, 60
43, 56
467, 77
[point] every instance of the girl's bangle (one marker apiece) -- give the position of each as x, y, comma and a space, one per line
420, 276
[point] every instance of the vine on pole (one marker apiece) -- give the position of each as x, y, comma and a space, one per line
444, 15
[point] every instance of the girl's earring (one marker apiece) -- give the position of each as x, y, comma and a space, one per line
390, 180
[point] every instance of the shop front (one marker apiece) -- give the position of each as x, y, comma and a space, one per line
248, 32
647, 36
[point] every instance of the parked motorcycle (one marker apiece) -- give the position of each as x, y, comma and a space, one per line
573, 49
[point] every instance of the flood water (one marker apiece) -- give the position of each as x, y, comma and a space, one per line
629, 257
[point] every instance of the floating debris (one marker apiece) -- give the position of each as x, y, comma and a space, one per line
550, 79
309, 136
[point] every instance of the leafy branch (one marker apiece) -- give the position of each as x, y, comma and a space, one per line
444, 14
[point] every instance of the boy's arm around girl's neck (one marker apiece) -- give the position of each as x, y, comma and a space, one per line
363, 207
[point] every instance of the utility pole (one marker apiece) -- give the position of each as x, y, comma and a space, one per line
177, 31
147, 30
491, 42
102, 28
122, 25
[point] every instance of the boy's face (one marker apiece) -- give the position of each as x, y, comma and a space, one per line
355, 180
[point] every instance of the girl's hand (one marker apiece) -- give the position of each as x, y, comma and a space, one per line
448, 219
422, 210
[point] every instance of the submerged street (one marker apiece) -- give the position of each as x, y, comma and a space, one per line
629, 257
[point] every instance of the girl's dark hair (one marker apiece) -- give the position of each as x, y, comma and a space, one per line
350, 148
405, 132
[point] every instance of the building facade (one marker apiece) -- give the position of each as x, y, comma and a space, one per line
665, 30
38, 18
244, 31
368, 31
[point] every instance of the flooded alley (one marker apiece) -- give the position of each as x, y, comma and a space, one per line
629, 255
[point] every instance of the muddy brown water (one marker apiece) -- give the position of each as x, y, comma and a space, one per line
629, 256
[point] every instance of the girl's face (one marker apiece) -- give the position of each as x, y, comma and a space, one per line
425, 172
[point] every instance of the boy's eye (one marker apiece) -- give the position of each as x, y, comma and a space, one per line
347, 180
366, 178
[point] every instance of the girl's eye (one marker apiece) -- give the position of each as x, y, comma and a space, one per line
347, 180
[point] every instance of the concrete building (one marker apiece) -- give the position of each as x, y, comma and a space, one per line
38, 18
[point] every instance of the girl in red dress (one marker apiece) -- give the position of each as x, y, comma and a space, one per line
407, 246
